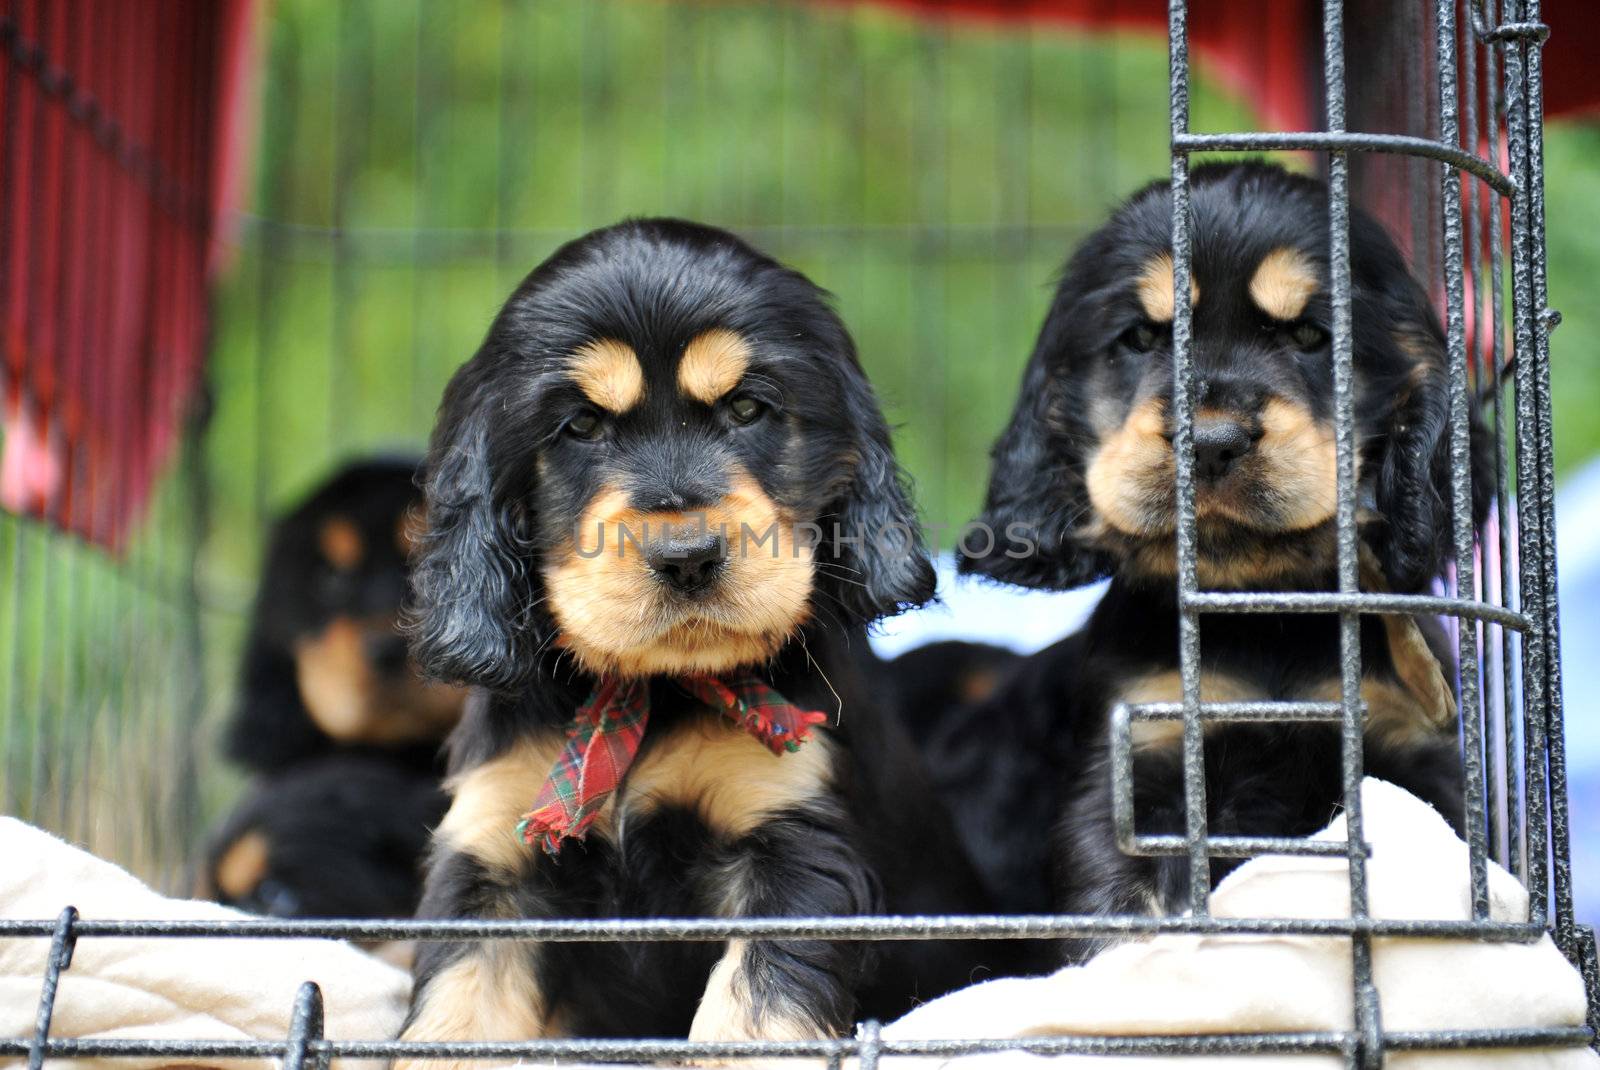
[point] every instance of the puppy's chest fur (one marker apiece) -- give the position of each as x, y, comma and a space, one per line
1280, 658
671, 841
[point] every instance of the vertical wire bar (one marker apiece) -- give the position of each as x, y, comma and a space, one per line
1468, 51
305, 1030
1555, 731
73, 51
195, 501
507, 126
14, 570
1510, 641
424, 93
351, 119
60, 957
1369, 1052
871, 1045
1529, 545
1461, 462
1194, 779
47, 557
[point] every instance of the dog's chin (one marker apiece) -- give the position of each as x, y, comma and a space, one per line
681, 641
1235, 550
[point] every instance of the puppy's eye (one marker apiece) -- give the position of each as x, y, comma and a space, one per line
586, 426
745, 410
1141, 337
1307, 336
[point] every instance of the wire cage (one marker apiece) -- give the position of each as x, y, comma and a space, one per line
1431, 116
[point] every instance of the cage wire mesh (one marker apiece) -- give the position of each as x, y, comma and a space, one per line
418, 159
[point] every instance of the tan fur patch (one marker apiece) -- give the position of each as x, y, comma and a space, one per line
1168, 687
1283, 284
491, 994
713, 364
1301, 466
1414, 662
1132, 465
242, 865
609, 374
353, 703
727, 1011
340, 542
1155, 289
488, 801
615, 617
1394, 715
731, 781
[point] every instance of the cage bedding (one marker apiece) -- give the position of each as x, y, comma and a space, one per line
1176, 984
169, 988
1188, 984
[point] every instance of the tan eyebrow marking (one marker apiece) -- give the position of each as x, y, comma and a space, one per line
608, 373
713, 363
1155, 289
340, 542
1283, 284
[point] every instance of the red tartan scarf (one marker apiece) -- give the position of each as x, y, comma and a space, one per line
605, 735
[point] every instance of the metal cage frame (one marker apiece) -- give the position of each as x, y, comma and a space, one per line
1517, 608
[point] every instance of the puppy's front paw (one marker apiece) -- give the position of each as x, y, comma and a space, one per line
730, 1012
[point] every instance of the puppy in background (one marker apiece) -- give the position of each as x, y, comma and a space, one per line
332, 716
338, 836
326, 666
662, 507
1083, 482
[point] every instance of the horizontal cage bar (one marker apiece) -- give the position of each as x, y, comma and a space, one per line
1238, 711
653, 1050
1397, 144
1327, 602
866, 927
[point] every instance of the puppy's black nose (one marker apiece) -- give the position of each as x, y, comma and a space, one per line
388, 652
688, 565
1218, 446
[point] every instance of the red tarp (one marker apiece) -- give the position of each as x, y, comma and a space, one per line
115, 156
1258, 48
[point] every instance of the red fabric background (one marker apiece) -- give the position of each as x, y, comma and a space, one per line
1256, 46
114, 160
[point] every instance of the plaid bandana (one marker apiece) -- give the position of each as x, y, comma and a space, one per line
605, 737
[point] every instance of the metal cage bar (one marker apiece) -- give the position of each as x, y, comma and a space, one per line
1529, 833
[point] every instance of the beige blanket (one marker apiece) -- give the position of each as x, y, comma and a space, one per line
1188, 984
116, 987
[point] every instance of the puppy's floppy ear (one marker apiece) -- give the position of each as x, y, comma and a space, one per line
1033, 500
472, 616
880, 544
1412, 486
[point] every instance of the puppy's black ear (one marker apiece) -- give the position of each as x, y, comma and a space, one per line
472, 612
878, 545
1034, 499
270, 727
1412, 488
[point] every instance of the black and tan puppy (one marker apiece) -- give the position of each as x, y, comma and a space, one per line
1083, 481
326, 666
633, 495
339, 836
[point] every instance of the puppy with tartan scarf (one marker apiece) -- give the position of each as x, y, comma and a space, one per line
662, 509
